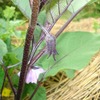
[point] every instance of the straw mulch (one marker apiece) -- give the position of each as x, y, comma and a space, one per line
84, 86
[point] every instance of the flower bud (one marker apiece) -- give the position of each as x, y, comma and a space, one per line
51, 45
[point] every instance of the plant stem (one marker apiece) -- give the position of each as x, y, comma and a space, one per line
24, 63
69, 3
34, 59
37, 87
34, 49
6, 73
68, 22
29, 36
14, 65
2, 87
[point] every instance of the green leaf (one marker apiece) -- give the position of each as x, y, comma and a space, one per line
51, 4
42, 17
77, 4
70, 73
3, 49
8, 43
9, 12
1, 77
11, 58
15, 80
24, 6
16, 23
54, 11
19, 53
3, 25
75, 49
93, 1
28, 90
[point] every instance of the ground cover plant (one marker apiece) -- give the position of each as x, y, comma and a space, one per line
25, 62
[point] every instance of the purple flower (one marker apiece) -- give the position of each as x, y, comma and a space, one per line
33, 74
50, 41
51, 45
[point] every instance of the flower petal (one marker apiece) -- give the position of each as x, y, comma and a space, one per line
33, 74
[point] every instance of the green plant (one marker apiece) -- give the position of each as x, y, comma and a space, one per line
91, 10
96, 26
4, 4
8, 32
69, 52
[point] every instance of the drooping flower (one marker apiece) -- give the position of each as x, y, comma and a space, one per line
51, 45
33, 74
50, 41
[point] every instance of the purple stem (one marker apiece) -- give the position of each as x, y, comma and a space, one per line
6, 74
61, 13
29, 36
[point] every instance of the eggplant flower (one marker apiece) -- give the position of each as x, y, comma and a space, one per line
33, 74
51, 45
50, 41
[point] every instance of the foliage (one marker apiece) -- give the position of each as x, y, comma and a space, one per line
4, 4
75, 49
75, 52
28, 90
7, 32
51, 6
91, 10
1, 77
8, 10
3, 49
96, 26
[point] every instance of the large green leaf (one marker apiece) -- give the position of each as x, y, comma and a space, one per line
24, 6
77, 4
28, 90
60, 6
70, 73
75, 52
3, 49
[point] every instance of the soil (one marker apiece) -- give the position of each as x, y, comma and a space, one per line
81, 25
